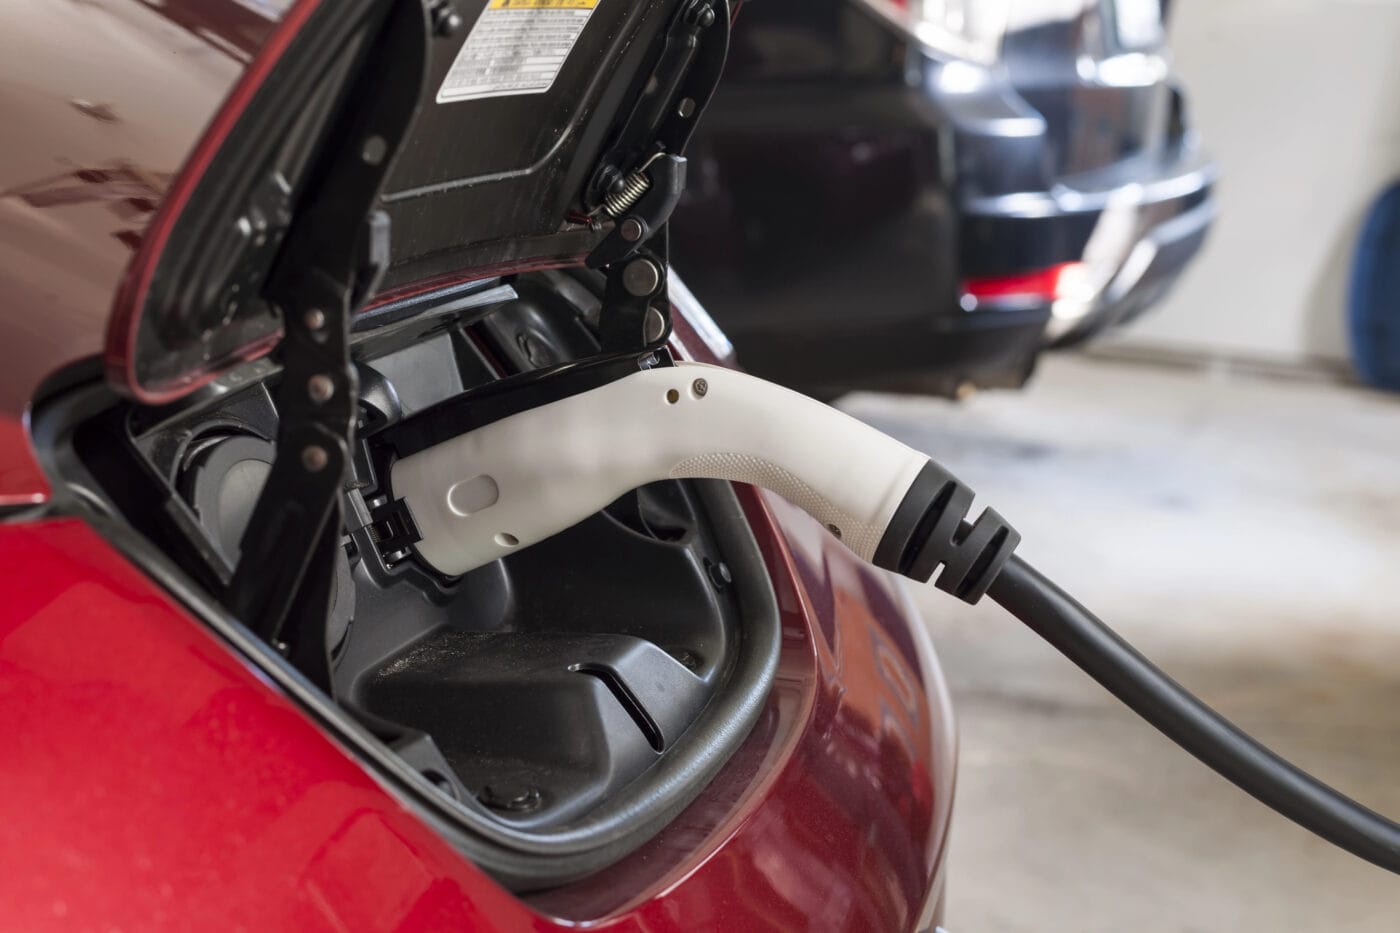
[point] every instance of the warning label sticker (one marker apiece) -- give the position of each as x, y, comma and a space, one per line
516, 47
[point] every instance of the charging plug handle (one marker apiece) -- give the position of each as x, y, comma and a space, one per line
513, 482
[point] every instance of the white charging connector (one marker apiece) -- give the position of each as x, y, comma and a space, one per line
481, 495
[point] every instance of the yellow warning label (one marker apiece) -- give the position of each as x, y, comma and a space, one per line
543, 4
516, 47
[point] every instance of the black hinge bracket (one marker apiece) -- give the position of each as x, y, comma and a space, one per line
640, 178
335, 249
636, 310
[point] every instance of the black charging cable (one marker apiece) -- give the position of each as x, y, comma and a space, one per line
1099, 652
930, 530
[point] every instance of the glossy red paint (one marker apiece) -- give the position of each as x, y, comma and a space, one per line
152, 781
103, 136
22, 482
119, 357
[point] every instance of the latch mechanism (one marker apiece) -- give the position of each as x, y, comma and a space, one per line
640, 179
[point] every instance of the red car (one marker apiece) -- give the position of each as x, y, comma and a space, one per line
251, 252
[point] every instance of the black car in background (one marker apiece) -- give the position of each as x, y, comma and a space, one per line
921, 196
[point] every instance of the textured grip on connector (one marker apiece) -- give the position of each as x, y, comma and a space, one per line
929, 530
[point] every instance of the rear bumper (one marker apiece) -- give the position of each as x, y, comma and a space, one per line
1171, 182
1149, 271
1132, 228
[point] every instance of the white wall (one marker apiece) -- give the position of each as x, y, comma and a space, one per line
1299, 100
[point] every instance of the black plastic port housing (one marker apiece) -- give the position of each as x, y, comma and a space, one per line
549, 712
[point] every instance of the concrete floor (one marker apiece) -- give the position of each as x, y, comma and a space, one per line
1245, 534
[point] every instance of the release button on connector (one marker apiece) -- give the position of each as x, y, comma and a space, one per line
473, 495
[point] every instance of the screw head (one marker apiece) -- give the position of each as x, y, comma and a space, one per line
653, 326
720, 574
511, 799
631, 230
641, 278
686, 108
314, 459
374, 150
315, 319
700, 388
320, 388
446, 21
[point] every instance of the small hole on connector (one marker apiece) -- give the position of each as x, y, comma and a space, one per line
835, 531
672, 396
506, 539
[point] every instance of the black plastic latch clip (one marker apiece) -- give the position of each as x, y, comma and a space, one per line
392, 528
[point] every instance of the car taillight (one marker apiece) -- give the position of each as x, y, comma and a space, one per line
958, 29
1064, 280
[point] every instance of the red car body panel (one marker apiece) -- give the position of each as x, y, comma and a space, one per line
105, 127
121, 352
155, 780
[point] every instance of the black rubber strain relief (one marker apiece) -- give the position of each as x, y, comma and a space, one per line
929, 530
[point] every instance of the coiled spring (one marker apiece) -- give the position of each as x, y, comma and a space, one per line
629, 191
622, 200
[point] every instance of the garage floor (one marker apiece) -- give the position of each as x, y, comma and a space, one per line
1245, 533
